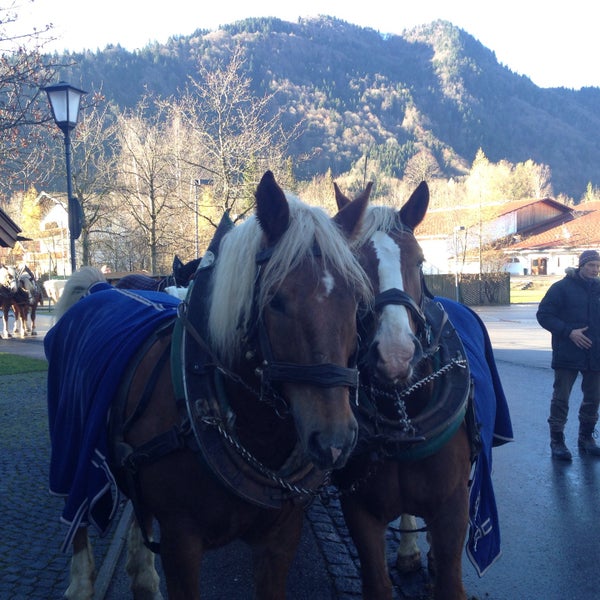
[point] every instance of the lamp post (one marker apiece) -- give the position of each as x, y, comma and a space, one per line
197, 184
456, 230
64, 100
196, 240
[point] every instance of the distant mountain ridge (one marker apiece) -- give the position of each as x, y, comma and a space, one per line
354, 90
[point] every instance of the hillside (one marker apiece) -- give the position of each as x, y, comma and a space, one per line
354, 90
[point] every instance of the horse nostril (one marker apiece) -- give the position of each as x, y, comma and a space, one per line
335, 454
374, 355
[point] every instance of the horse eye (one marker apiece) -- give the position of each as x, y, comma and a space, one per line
277, 303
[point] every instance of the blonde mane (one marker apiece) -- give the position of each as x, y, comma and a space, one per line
377, 218
236, 270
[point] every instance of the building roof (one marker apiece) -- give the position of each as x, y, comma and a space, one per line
9, 231
442, 222
582, 231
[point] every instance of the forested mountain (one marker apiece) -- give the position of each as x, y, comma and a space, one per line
356, 91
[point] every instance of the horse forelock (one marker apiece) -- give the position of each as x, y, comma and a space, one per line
235, 272
378, 218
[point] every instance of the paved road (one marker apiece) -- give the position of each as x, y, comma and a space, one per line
548, 511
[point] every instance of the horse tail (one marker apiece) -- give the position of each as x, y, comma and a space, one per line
76, 287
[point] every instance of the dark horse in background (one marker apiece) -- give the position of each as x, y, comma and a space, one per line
8, 288
27, 299
229, 417
418, 436
175, 284
21, 293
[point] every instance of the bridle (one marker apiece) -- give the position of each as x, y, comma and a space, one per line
205, 403
441, 366
272, 371
398, 297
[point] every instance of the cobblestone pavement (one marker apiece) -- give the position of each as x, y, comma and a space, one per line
31, 564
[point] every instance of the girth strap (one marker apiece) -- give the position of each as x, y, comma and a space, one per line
131, 460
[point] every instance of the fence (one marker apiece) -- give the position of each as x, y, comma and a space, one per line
472, 289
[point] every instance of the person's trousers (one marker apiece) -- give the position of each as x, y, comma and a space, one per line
559, 405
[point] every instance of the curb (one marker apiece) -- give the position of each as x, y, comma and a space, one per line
105, 575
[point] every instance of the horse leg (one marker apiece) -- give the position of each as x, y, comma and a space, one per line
32, 318
447, 541
144, 580
447, 528
408, 556
83, 569
19, 325
5, 333
368, 534
273, 555
181, 551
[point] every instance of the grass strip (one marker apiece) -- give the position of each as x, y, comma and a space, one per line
12, 364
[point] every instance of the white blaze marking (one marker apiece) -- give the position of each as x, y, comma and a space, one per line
328, 283
393, 316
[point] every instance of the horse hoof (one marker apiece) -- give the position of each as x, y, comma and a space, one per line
408, 564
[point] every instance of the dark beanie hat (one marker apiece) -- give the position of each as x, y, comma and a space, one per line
587, 256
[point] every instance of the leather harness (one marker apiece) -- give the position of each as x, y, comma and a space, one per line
206, 416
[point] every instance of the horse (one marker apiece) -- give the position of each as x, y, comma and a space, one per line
176, 283
234, 411
9, 287
25, 302
415, 451
54, 289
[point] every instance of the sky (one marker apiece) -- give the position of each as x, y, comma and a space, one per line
554, 44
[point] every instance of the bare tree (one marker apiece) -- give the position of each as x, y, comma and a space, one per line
421, 167
24, 71
93, 172
234, 135
147, 173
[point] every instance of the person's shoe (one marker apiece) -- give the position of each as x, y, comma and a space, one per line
587, 445
559, 448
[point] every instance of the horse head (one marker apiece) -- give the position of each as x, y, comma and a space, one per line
8, 279
392, 258
295, 285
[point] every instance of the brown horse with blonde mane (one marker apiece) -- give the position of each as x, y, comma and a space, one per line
414, 453
231, 416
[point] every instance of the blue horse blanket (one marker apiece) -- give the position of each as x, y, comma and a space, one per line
88, 350
493, 417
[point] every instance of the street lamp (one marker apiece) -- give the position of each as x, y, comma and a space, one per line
456, 287
64, 100
197, 184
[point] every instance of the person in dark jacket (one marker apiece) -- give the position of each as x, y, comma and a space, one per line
570, 311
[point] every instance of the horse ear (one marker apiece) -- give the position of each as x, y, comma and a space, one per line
272, 210
415, 208
340, 199
349, 218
